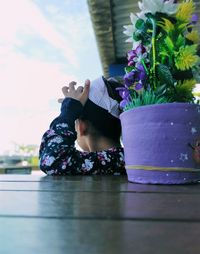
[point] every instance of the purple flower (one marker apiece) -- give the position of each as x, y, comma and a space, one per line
131, 63
194, 18
135, 75
194, 21
140, 49
123, 103
136, 55
129, 78
138, 86
131, 54
141, 72
125, 94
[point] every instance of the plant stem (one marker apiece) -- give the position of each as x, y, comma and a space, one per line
145, 67
153, 41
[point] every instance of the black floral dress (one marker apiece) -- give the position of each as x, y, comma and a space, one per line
58, 155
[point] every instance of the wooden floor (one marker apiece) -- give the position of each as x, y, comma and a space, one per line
90, 215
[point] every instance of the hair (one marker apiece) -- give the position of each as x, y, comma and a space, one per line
101, 120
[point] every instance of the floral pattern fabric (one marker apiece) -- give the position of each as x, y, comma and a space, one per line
58, 155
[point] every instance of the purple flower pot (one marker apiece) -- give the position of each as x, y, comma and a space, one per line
162, 143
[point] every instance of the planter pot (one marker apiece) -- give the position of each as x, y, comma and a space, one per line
162, 143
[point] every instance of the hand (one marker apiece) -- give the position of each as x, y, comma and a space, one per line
81, 93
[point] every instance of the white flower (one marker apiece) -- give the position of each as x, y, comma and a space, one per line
136, 44
130, 29
57, 140
141, 15
147, 6
121, 156
50, 172
88, 164
154, 6
64, 166
104, 154
138, 59
49, 160
69, 161
133, 18
63, 125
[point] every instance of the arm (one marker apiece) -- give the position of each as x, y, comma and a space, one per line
57, 151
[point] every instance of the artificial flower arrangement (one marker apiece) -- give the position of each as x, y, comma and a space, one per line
163, 65
162, 141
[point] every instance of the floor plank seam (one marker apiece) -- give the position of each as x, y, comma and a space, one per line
138, 219
101, 191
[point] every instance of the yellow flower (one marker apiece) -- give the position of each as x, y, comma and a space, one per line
186, 57
196, 94
193, 36
166, 25
186, 85
185, 11
184, 89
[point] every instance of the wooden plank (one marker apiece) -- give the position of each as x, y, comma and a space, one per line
97, 236
22, 178
100, 205
97, 215
88, 184
16, 170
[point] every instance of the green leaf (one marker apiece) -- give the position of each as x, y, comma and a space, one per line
149, 16
146, 98
161, 90
164, 75
180, 41
137, 35
140, 24
129, 69
169, 43
162, 53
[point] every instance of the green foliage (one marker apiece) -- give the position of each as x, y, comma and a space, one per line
164, 75
184, 91
171, 63
143, 31
145, 98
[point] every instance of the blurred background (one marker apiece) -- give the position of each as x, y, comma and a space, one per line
44, 44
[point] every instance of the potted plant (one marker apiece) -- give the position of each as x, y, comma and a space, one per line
161, 118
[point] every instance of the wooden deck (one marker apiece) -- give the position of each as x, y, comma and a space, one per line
90, 215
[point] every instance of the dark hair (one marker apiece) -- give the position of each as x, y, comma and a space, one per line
103, 122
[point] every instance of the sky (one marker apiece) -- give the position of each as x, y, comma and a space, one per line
44, 44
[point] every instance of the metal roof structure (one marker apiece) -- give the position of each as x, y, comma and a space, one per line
108, 18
